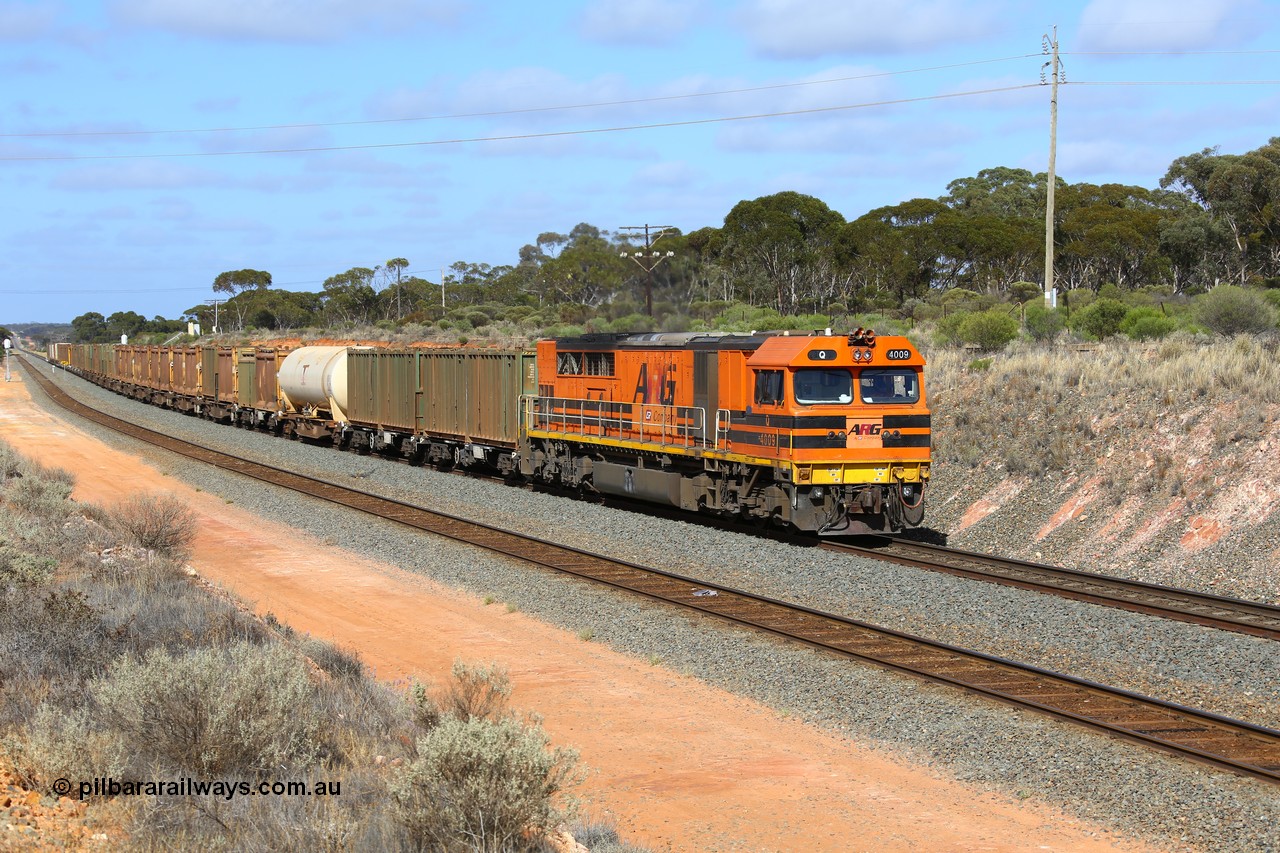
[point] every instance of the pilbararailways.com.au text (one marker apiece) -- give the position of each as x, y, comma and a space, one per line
188, 787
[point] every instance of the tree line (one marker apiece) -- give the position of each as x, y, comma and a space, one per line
1214, 219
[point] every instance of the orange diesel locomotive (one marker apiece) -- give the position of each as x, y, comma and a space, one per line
826, 433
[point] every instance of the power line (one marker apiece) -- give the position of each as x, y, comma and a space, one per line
521, 111
1167, 52
1172, 82
517, 136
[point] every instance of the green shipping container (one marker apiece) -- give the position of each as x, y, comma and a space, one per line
470, 395
383, 389
246, 376
474, 395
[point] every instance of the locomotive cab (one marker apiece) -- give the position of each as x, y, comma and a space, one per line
847, 420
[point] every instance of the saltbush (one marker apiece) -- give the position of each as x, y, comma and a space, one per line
483, 785
242, 709
1230, 310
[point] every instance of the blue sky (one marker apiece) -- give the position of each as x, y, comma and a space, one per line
443, 130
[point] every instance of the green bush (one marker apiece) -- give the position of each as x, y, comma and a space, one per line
946, 332
1043, 323
632, 323
989, 330
1078, 299
1231, 310
240, 709
1101, 319
482, 785
22, 569
1146, 324
744, 318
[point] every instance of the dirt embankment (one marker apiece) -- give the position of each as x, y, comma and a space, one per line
1155, 461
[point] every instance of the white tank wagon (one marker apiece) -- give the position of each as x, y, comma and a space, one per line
313, 385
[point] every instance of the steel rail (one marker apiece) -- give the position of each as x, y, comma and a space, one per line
1228, 614
1234, 745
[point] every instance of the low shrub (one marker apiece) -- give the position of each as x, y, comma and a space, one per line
1043, 323
242, 709
159, 523
58, 744
1230, 310
989, 330
484, 785
477, 692
1146, 324
39, 495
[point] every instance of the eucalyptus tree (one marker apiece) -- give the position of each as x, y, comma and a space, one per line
237, 282
349, 297
786, 243
1243, 192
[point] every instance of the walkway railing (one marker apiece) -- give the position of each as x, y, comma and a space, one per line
679, 426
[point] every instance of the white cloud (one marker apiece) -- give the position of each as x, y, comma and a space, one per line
1160, 25
674, 174
24, 21
804, 29
285, 20
638, 22
139, 175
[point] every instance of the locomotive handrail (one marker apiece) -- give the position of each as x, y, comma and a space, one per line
723, 423
683, 426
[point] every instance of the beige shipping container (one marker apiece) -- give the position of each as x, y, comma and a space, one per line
218, 373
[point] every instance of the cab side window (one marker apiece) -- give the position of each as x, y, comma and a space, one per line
768, 387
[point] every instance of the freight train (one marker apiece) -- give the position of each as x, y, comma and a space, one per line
821, 432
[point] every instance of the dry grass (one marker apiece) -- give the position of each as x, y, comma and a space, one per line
1045, 409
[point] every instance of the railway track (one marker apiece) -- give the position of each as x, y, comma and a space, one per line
1228, 614
1233, 745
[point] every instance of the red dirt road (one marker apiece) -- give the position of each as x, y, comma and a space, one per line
677, 765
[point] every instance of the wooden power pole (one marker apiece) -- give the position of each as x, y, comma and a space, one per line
648, 259
1051, 46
